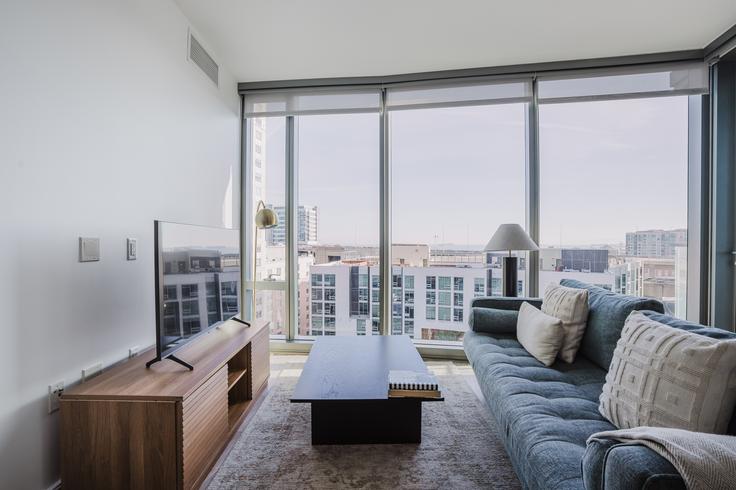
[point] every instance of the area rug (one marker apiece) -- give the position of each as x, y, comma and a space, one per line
459, 449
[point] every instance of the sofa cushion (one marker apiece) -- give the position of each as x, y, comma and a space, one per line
545, 414
607, 313
662, 376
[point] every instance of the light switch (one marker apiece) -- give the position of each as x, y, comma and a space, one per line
89, 249
132, 248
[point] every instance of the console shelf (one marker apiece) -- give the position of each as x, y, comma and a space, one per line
234, 376
163, 426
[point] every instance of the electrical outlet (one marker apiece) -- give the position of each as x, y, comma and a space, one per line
134, 351
55, 391
91, 371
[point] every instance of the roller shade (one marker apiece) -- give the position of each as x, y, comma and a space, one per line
653, 81
311, 101
465, 93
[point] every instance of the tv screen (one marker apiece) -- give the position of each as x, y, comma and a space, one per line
197, 281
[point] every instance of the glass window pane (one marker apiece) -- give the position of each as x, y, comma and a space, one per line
444, 159
267, 155
444, 298
626, 160
443, 314
338, 229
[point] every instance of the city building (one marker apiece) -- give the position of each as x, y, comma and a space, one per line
401, 254
655, 243
306, 226
573, 259
429, 303
647, 276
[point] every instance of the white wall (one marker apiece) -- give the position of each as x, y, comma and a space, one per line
104, 127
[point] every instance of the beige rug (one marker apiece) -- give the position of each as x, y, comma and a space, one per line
459, 449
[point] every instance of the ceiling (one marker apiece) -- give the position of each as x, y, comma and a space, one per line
260, 40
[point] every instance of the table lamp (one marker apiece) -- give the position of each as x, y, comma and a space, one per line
265, 218
510, 237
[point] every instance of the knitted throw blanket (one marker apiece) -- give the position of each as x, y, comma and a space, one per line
705, 461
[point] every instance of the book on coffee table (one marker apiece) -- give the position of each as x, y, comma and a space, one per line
412, 384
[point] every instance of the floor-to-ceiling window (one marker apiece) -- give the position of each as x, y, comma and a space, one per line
267, 165
613, 198
457, 173
338, 227
597, 162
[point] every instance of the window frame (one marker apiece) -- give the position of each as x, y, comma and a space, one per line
697, 193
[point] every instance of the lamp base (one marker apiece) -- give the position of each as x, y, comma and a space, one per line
510, 276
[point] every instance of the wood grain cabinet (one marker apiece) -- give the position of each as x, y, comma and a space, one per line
163, 427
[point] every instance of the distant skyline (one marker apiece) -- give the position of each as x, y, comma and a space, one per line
607, 168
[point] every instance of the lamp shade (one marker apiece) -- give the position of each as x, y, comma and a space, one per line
266, 218
511, 237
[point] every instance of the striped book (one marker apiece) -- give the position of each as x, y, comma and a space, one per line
411, 384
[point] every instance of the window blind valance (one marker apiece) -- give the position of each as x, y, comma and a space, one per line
623, 83
685, 78
311, 101
451, 94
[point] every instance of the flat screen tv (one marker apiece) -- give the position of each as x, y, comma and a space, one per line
197, 278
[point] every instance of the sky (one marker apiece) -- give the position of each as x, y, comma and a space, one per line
607, 167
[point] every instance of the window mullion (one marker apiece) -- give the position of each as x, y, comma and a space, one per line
292, 264
532, 190
385, 220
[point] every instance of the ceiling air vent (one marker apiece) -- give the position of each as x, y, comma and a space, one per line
202, 59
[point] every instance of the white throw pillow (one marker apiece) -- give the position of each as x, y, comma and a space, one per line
662, 376
540, 334
570, 305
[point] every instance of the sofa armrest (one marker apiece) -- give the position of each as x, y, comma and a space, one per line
497, 315
611, 465
503, 302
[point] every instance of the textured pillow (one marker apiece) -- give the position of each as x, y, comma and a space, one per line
540, 334
666, 377
570, 305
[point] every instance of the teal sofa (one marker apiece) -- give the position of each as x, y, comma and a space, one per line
545, 415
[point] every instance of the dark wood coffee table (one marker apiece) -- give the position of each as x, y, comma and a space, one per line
346, 381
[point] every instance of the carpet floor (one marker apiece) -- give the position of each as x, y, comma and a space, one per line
459, 449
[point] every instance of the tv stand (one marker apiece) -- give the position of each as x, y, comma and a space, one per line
173, 358
163, 427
